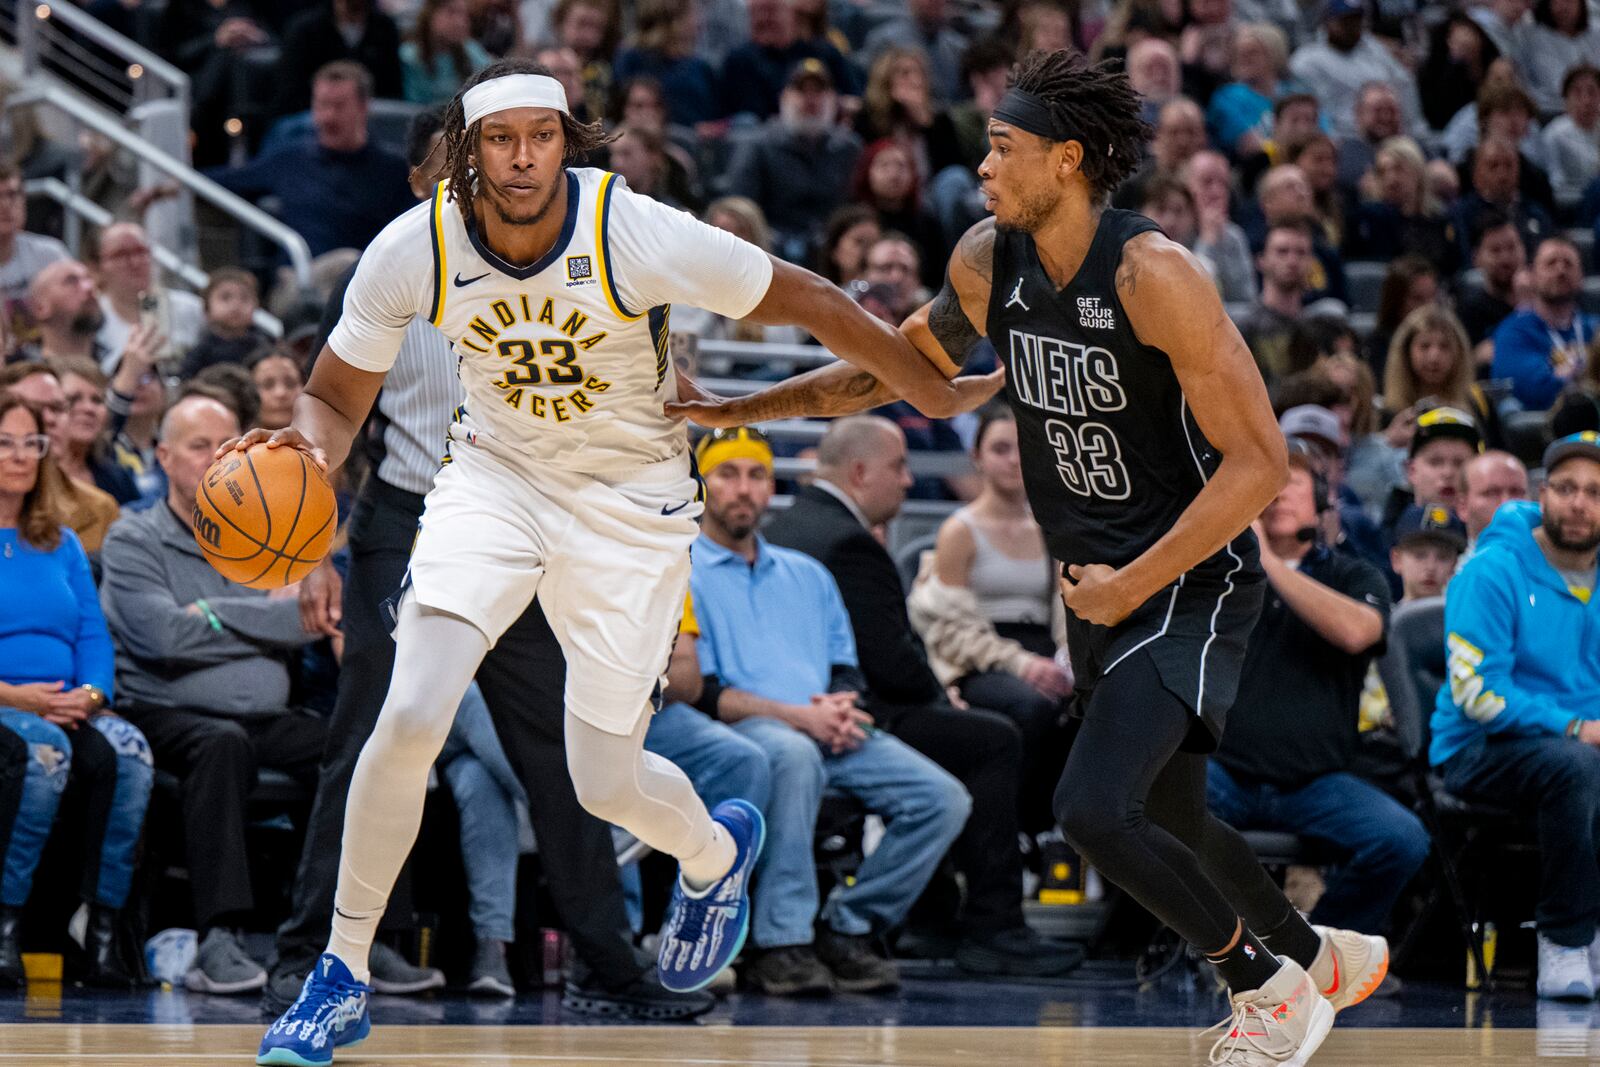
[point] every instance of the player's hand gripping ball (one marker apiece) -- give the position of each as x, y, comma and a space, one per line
264, 517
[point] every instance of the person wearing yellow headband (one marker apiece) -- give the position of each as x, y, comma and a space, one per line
740, 442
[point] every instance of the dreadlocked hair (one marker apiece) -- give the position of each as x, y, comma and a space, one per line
457, 144
1097, 102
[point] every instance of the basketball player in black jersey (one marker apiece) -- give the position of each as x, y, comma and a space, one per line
1148, 447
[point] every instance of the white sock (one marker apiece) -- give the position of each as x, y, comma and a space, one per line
707, 866
351, 941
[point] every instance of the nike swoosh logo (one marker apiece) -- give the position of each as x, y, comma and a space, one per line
468, 281
673, 511
1331, 990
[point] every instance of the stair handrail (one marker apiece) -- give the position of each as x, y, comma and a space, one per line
229, 203
143, 64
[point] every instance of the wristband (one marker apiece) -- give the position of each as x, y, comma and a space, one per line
1573, 727
211, 616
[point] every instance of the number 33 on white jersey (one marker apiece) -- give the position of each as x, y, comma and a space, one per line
565, 359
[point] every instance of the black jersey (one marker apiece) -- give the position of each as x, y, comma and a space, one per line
1111, 454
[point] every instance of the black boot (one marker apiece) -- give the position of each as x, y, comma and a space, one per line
11, 976
102, 964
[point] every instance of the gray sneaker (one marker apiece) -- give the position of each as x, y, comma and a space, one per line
391, 973
223, 967
490, 976
285, 979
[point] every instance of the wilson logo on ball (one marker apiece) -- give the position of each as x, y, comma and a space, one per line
206, 528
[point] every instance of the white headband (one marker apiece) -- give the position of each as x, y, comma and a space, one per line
509, 91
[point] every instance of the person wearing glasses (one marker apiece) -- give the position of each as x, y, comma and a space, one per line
56, 669
86, 509
125, 272
1516, 723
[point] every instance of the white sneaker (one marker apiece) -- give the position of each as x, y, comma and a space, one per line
1349, 967
1564, 972
1279, 1025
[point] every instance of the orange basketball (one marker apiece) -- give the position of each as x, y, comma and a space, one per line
264, 518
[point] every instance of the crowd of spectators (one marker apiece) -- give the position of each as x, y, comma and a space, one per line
1397, 204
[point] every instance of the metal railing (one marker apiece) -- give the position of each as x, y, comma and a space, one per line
124, 71
762, 352
168, 260
90, 117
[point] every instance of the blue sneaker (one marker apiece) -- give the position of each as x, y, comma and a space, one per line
330, 1013
705, 931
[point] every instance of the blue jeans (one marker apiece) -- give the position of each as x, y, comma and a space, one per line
116, 759
1386, 843
487, 793
1558, 780
924, 808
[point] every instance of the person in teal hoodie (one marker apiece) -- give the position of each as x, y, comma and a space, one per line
1518, 721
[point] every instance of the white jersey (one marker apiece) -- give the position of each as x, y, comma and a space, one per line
565, 360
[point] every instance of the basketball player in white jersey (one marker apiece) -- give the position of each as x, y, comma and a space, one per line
562, 477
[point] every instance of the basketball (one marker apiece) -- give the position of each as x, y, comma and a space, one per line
265, 517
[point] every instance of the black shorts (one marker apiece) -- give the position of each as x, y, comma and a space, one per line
1195, 632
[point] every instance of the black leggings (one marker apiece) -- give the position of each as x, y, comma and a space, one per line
1134, 806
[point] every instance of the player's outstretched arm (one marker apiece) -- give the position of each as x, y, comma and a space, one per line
800, 298
943, 331
328, 414
1173, 305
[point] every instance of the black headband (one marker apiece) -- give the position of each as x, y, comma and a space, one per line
1028, 112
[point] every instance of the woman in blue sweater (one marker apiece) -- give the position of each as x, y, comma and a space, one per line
56, 668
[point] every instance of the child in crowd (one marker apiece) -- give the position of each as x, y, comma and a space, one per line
232, 297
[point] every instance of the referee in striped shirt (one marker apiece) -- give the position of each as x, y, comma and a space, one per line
522, 680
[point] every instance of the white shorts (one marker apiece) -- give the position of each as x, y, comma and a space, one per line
607, 556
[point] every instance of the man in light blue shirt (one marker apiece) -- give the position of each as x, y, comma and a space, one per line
778, 670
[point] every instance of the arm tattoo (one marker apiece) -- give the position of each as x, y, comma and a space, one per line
837, 389
948, 323
977, 249
1127, 278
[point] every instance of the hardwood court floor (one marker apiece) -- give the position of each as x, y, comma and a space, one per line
118, 1045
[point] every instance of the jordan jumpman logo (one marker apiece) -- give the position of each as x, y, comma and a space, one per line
1016, 298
